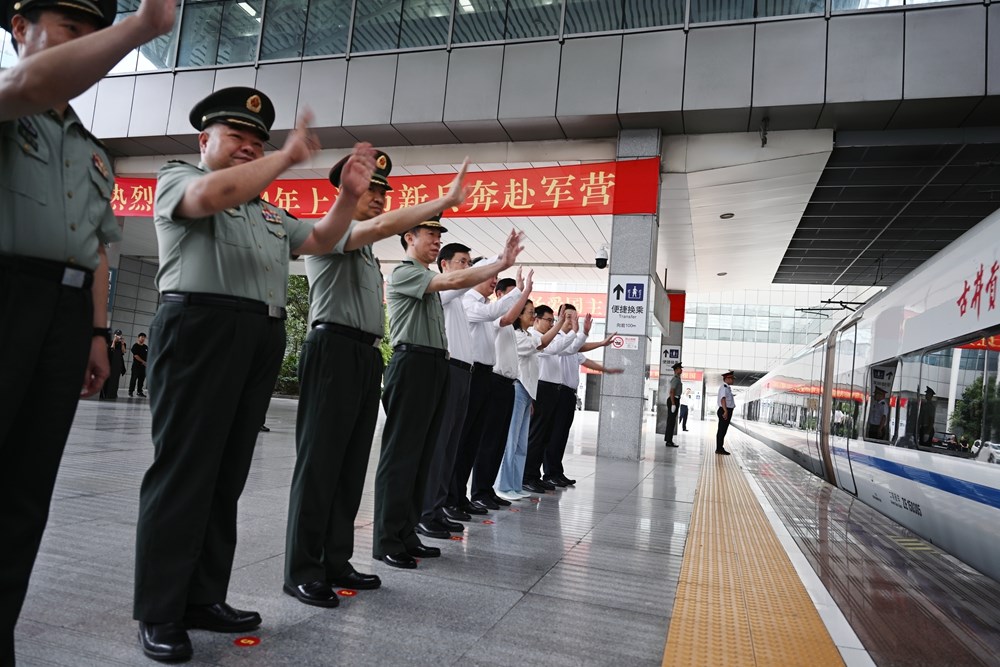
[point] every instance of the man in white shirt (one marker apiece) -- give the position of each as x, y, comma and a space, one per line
727, 405
481, 313
878, 417
435, 521
500, 404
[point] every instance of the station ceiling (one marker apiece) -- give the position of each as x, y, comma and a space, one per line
880, 211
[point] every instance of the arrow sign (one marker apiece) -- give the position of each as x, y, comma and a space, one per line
618, 292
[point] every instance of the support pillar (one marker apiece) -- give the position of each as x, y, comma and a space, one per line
621, 429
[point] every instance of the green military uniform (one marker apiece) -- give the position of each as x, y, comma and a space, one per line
55, 212
216, 345
340, 381
415, 387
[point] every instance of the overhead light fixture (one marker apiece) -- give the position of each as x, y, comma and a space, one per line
727, 216
466, 6
247, 8
722, 273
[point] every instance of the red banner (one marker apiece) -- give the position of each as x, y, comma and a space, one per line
992, 343
601, 188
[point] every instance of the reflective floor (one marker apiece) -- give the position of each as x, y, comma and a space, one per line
585, 576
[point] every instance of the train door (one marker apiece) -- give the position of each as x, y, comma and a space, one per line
847, 418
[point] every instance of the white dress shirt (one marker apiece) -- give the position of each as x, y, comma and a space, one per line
570, 364
527, 354
482, 315
506, 353
725, 393
456, 325
550, 369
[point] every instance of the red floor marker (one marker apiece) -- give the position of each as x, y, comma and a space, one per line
514, 509
347, 592
536, 500
245, 642
488, 522
457, 538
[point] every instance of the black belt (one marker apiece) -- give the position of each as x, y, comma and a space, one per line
504, 378
481, 368
50, 270
422, 349
349, 332
558, 385
467, 367
225, 302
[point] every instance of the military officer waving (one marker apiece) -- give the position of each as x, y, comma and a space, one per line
216, 346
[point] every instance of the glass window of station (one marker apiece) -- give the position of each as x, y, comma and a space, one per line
211, 33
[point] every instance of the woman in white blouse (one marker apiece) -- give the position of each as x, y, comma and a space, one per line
529, 342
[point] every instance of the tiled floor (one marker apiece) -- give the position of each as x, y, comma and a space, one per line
586, 576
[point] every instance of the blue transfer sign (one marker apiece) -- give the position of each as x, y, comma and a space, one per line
635, 292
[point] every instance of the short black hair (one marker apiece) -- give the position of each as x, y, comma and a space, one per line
542, 311
568, 306
449, 251
517, 322
505, 284
141, 334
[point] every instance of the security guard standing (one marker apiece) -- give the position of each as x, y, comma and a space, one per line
416, 384
727, 405
217, 342
55, 219
673, 403
340, 379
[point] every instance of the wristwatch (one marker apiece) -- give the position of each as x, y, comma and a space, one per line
104, 332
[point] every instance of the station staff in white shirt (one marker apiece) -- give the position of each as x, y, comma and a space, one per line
727, 405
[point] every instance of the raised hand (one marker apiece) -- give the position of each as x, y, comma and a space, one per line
528, 282
512, 248
519, 280
356, 176
588, 321
301, 143
458, 192
157, 16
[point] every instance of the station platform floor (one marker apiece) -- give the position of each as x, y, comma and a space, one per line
681, 558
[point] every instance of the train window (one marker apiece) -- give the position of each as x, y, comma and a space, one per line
955, 400
881, 423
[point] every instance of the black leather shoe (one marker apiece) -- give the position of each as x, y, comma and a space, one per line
473, 508
264, 429
534, 487
432, 529
722, 451
220, 617
555, 481
140, 394
316, 593
421, 551
500, 501
456, 514
403, 560
166, 642
357, 580
567, 481
485, 504
670, 444
451, 526
546, 485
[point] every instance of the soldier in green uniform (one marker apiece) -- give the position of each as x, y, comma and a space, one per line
55, 219
340, 373
217, 342
415, 387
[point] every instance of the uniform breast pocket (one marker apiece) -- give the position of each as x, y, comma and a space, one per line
26, 169
277, 241
99, 204
232, 228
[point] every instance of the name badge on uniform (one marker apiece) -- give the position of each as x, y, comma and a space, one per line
270, 215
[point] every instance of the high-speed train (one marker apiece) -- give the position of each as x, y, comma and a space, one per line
900, 403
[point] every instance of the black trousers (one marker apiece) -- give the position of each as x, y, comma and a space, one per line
456, 403
214, 372
683, 416
496, 423
720, 435
472, 434
43, 372
540, 428
415, 387
672, 416
138, 377
562, 422
340, 382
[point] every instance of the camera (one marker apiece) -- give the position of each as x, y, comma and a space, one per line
601, 259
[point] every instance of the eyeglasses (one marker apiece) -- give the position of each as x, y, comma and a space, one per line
546, 319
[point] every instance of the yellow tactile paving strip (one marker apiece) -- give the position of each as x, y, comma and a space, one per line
739, 600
